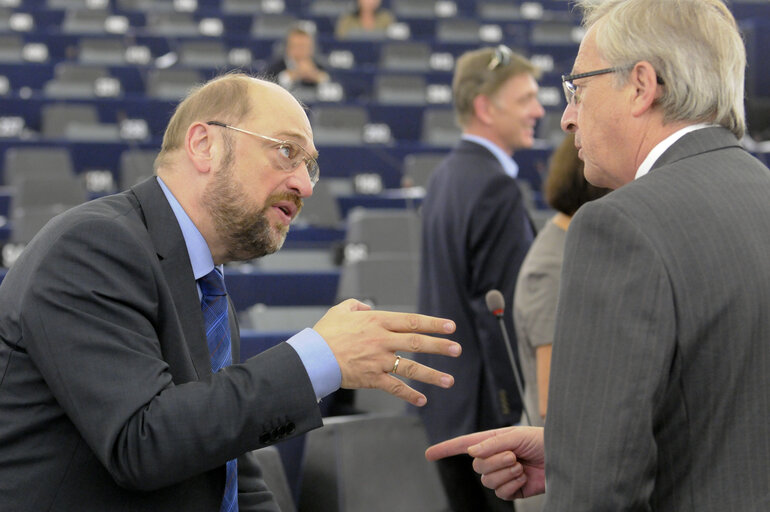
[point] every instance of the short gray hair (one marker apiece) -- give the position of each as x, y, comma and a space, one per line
694, 46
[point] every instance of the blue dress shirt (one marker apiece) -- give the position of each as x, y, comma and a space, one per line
510, 166
313, 351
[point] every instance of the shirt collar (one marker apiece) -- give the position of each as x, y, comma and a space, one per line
200, 256
510, 166
663, 145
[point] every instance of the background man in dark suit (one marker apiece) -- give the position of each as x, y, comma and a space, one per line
476, 232
108, 401
660, 389
298, 65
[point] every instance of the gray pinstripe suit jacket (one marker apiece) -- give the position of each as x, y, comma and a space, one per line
660, 384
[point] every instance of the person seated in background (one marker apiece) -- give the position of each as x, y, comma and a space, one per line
537, 287
298, 67
368, 17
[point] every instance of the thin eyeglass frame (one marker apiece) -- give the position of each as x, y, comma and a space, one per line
313, 170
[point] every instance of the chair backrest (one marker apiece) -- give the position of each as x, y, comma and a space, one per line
84, 21
263, 318
553, 33
384, 230
172, 84
414, 8
106, 51
400, 89
55, 117
212, 54
74, 80
135, 166
322, 208
11, 48
172, 24
457, 30
369, 462
36, 163
272, 26
330, 8
498, 11
34, 193
439, 127
25, 223
241, 7
405, 56
273, 472
387, 281
419, 166
339, 124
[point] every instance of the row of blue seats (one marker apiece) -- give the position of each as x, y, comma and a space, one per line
741, 8
335, 161
49, 13
157, 113
243, 24
62, 46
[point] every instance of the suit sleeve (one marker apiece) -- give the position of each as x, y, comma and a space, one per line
613, 350
97, 329
500, 236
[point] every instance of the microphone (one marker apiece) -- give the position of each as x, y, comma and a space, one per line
496, 306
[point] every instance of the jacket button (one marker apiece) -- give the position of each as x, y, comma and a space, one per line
265, 438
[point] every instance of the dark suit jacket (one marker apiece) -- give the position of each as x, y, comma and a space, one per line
107, 400
660, 380
475, 235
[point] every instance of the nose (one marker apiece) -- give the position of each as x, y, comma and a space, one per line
299, 182
569, 119
539, 110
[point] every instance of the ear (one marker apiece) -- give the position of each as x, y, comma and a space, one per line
643, 79
481, 108
198, 145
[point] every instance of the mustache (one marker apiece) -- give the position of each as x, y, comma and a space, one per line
286, 196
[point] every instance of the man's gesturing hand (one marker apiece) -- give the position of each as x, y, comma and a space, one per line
510, 460
365, 343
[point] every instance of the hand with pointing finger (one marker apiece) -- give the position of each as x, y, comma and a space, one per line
365, 342
510, 460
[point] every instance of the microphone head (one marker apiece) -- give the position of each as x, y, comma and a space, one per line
495, 302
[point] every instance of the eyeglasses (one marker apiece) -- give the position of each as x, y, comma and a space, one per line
291, 154
570, 89
501, 57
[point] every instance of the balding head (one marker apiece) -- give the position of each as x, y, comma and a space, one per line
228, 99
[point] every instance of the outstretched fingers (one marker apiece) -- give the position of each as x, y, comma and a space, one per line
459, 445
414, 371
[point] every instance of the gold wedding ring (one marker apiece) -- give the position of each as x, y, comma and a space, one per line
395, 365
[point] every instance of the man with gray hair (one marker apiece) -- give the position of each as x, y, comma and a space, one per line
660, 384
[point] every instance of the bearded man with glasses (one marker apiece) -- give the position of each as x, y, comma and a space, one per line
121, 386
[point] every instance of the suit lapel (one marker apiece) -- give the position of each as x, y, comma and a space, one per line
175, 262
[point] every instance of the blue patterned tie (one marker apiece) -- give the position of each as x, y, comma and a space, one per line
214, 308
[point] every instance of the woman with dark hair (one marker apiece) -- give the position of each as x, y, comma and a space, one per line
537, 287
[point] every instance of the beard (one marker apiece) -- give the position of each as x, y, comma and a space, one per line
244, 229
